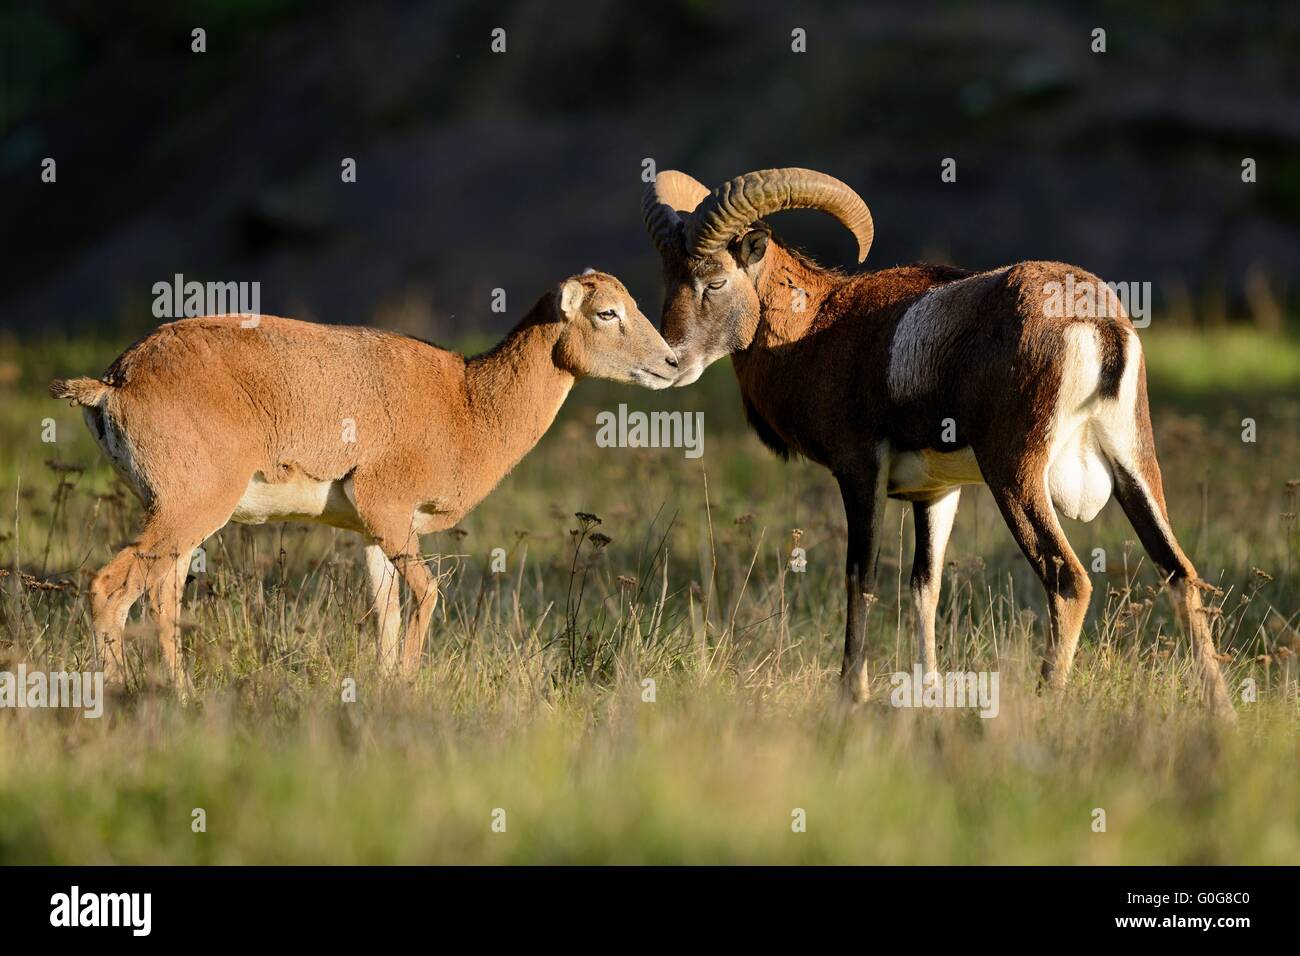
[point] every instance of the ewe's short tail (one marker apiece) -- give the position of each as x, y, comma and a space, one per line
82, 391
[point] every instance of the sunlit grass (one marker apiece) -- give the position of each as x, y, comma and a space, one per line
536, 705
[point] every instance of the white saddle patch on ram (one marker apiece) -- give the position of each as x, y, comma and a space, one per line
922, 338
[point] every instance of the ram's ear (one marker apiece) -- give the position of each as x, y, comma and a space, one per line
571, 294
752, 247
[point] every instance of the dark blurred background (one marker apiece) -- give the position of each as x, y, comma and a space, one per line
479, 170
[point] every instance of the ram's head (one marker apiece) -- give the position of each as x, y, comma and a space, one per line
714, 248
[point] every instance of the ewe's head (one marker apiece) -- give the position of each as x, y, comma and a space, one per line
606, 336
714, 249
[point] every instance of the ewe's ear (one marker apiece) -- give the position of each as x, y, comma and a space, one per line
752, 247
571, 294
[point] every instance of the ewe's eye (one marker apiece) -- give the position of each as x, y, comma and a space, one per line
609, 315
717, 284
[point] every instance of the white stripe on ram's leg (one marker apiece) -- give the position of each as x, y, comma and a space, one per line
1116, 420
938, 522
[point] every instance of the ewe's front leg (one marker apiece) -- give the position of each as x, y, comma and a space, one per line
387, 513
864, 504
165, 595
385, 602
424, 590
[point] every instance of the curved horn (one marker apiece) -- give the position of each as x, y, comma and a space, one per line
671, 194
735, 204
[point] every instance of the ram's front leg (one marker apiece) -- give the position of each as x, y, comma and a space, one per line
933, 525
864, 504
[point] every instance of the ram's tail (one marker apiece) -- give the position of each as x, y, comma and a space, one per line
82, 391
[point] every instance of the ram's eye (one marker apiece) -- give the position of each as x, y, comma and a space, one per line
609, 315
717, 284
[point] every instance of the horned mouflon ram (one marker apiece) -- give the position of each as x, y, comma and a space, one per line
910, 382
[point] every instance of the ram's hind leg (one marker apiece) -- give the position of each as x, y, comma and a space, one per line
1140, 492
1024, 502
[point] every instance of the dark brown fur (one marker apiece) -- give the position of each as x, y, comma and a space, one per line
811, 348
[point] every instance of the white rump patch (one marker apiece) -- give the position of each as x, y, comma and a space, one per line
117, 449
1090, 429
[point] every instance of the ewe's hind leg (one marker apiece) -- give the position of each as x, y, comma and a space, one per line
116, 587
386, 602
157, 562
1141, 495
1032, 520
187, 528
933, 526
148, 564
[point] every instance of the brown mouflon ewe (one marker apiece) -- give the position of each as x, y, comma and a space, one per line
223, 418
913, 381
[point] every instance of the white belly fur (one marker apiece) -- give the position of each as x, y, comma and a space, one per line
929, 472
1078, 478
299, 499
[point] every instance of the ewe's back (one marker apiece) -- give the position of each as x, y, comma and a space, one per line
323, 397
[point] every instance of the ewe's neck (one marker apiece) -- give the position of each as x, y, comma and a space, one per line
514, 391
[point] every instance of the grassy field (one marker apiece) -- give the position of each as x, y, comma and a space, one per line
528, 736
